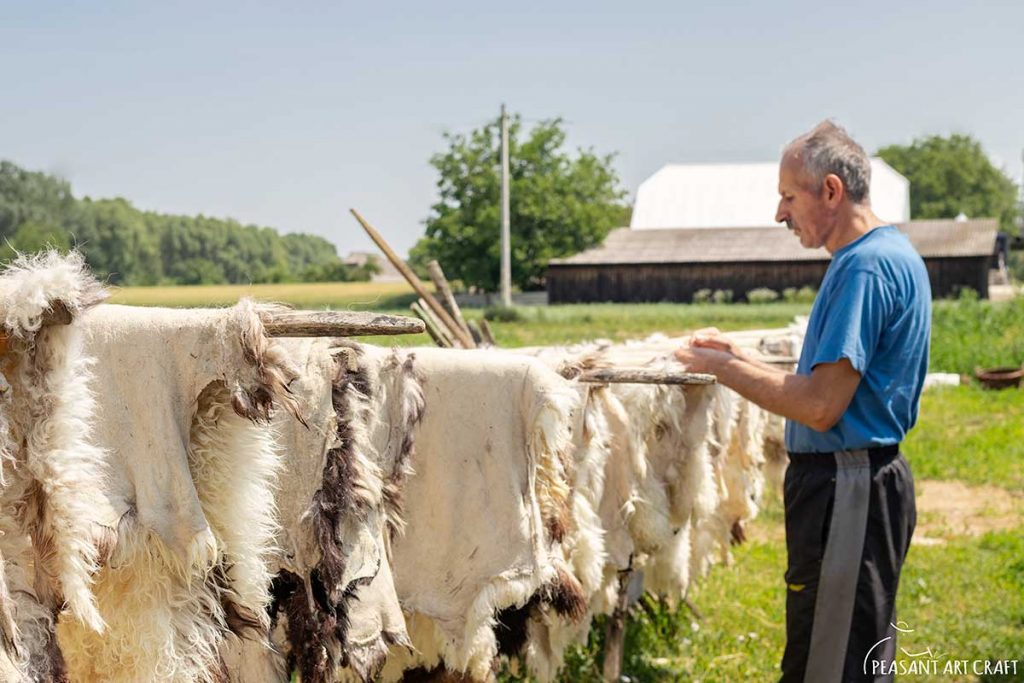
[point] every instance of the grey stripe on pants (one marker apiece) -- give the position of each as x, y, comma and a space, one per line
840, 567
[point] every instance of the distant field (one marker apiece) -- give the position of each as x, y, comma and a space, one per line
315, 295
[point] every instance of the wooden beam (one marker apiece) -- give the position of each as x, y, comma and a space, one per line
447, 298
336, 324
485, 330
643, 376
415, 283
474, 331
431, 320
439, 337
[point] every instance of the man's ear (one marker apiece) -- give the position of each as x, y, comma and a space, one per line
832, 190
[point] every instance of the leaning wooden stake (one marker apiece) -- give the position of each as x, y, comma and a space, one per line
485, 330
439, 337
474, 331
436, 308
447, 298
430, 319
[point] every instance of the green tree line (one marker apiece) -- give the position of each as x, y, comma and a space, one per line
128, 246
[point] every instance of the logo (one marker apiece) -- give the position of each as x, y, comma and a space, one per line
882, 660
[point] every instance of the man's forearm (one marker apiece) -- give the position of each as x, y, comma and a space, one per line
775, 390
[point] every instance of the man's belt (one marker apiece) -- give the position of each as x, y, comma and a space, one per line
878, 454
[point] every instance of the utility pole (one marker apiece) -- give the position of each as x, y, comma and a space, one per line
506, 231
1020, 213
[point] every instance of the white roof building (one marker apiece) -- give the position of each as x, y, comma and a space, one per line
742, 195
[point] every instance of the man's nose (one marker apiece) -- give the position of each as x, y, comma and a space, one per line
780, 214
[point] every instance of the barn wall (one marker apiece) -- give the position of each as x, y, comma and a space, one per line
680, 281
949, 275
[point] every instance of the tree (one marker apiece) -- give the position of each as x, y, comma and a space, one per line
132, 247
953, 175
560, 204
118, 244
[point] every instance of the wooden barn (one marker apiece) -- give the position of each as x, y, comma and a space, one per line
674, 264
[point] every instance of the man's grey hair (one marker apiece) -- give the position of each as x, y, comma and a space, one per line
827, 148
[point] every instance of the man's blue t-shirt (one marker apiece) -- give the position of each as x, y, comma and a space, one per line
874, 308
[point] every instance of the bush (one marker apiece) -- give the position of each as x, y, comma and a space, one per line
503, 314
969, 333
722, 296
762, 295
702, 296
337, 271
804, 295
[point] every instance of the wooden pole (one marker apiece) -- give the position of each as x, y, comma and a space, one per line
485, 330
474, 331
432, 329
336, 324
643, 376
447, 298
432, 319
415, 282
506, 229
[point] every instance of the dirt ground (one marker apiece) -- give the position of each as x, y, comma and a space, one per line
944, 509
952, 508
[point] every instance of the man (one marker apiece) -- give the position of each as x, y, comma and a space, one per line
849, 494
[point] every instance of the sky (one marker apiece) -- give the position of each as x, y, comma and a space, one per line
287, 116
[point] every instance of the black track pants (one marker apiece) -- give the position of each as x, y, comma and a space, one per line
849, 519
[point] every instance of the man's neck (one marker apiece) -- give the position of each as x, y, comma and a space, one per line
858, 221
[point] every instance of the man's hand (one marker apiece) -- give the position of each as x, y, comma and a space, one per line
696, 359
707, 350
712, 338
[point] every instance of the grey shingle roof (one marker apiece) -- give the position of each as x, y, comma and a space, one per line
931, 238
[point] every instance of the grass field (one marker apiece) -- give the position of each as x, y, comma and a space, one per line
319, 295
963, 591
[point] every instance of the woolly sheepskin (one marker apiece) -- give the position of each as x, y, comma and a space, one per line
488, 496
50, 473
183, 399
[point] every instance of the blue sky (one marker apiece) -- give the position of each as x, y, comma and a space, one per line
288, 116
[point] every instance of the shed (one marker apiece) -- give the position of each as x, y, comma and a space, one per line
674, 264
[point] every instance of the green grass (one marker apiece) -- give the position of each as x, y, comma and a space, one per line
563, 324
970, 434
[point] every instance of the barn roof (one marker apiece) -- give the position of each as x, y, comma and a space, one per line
736, 195
931, 238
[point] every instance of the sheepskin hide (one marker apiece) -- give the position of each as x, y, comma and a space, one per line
50, 473
184, 399
335, 610
488, 499
737, 445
